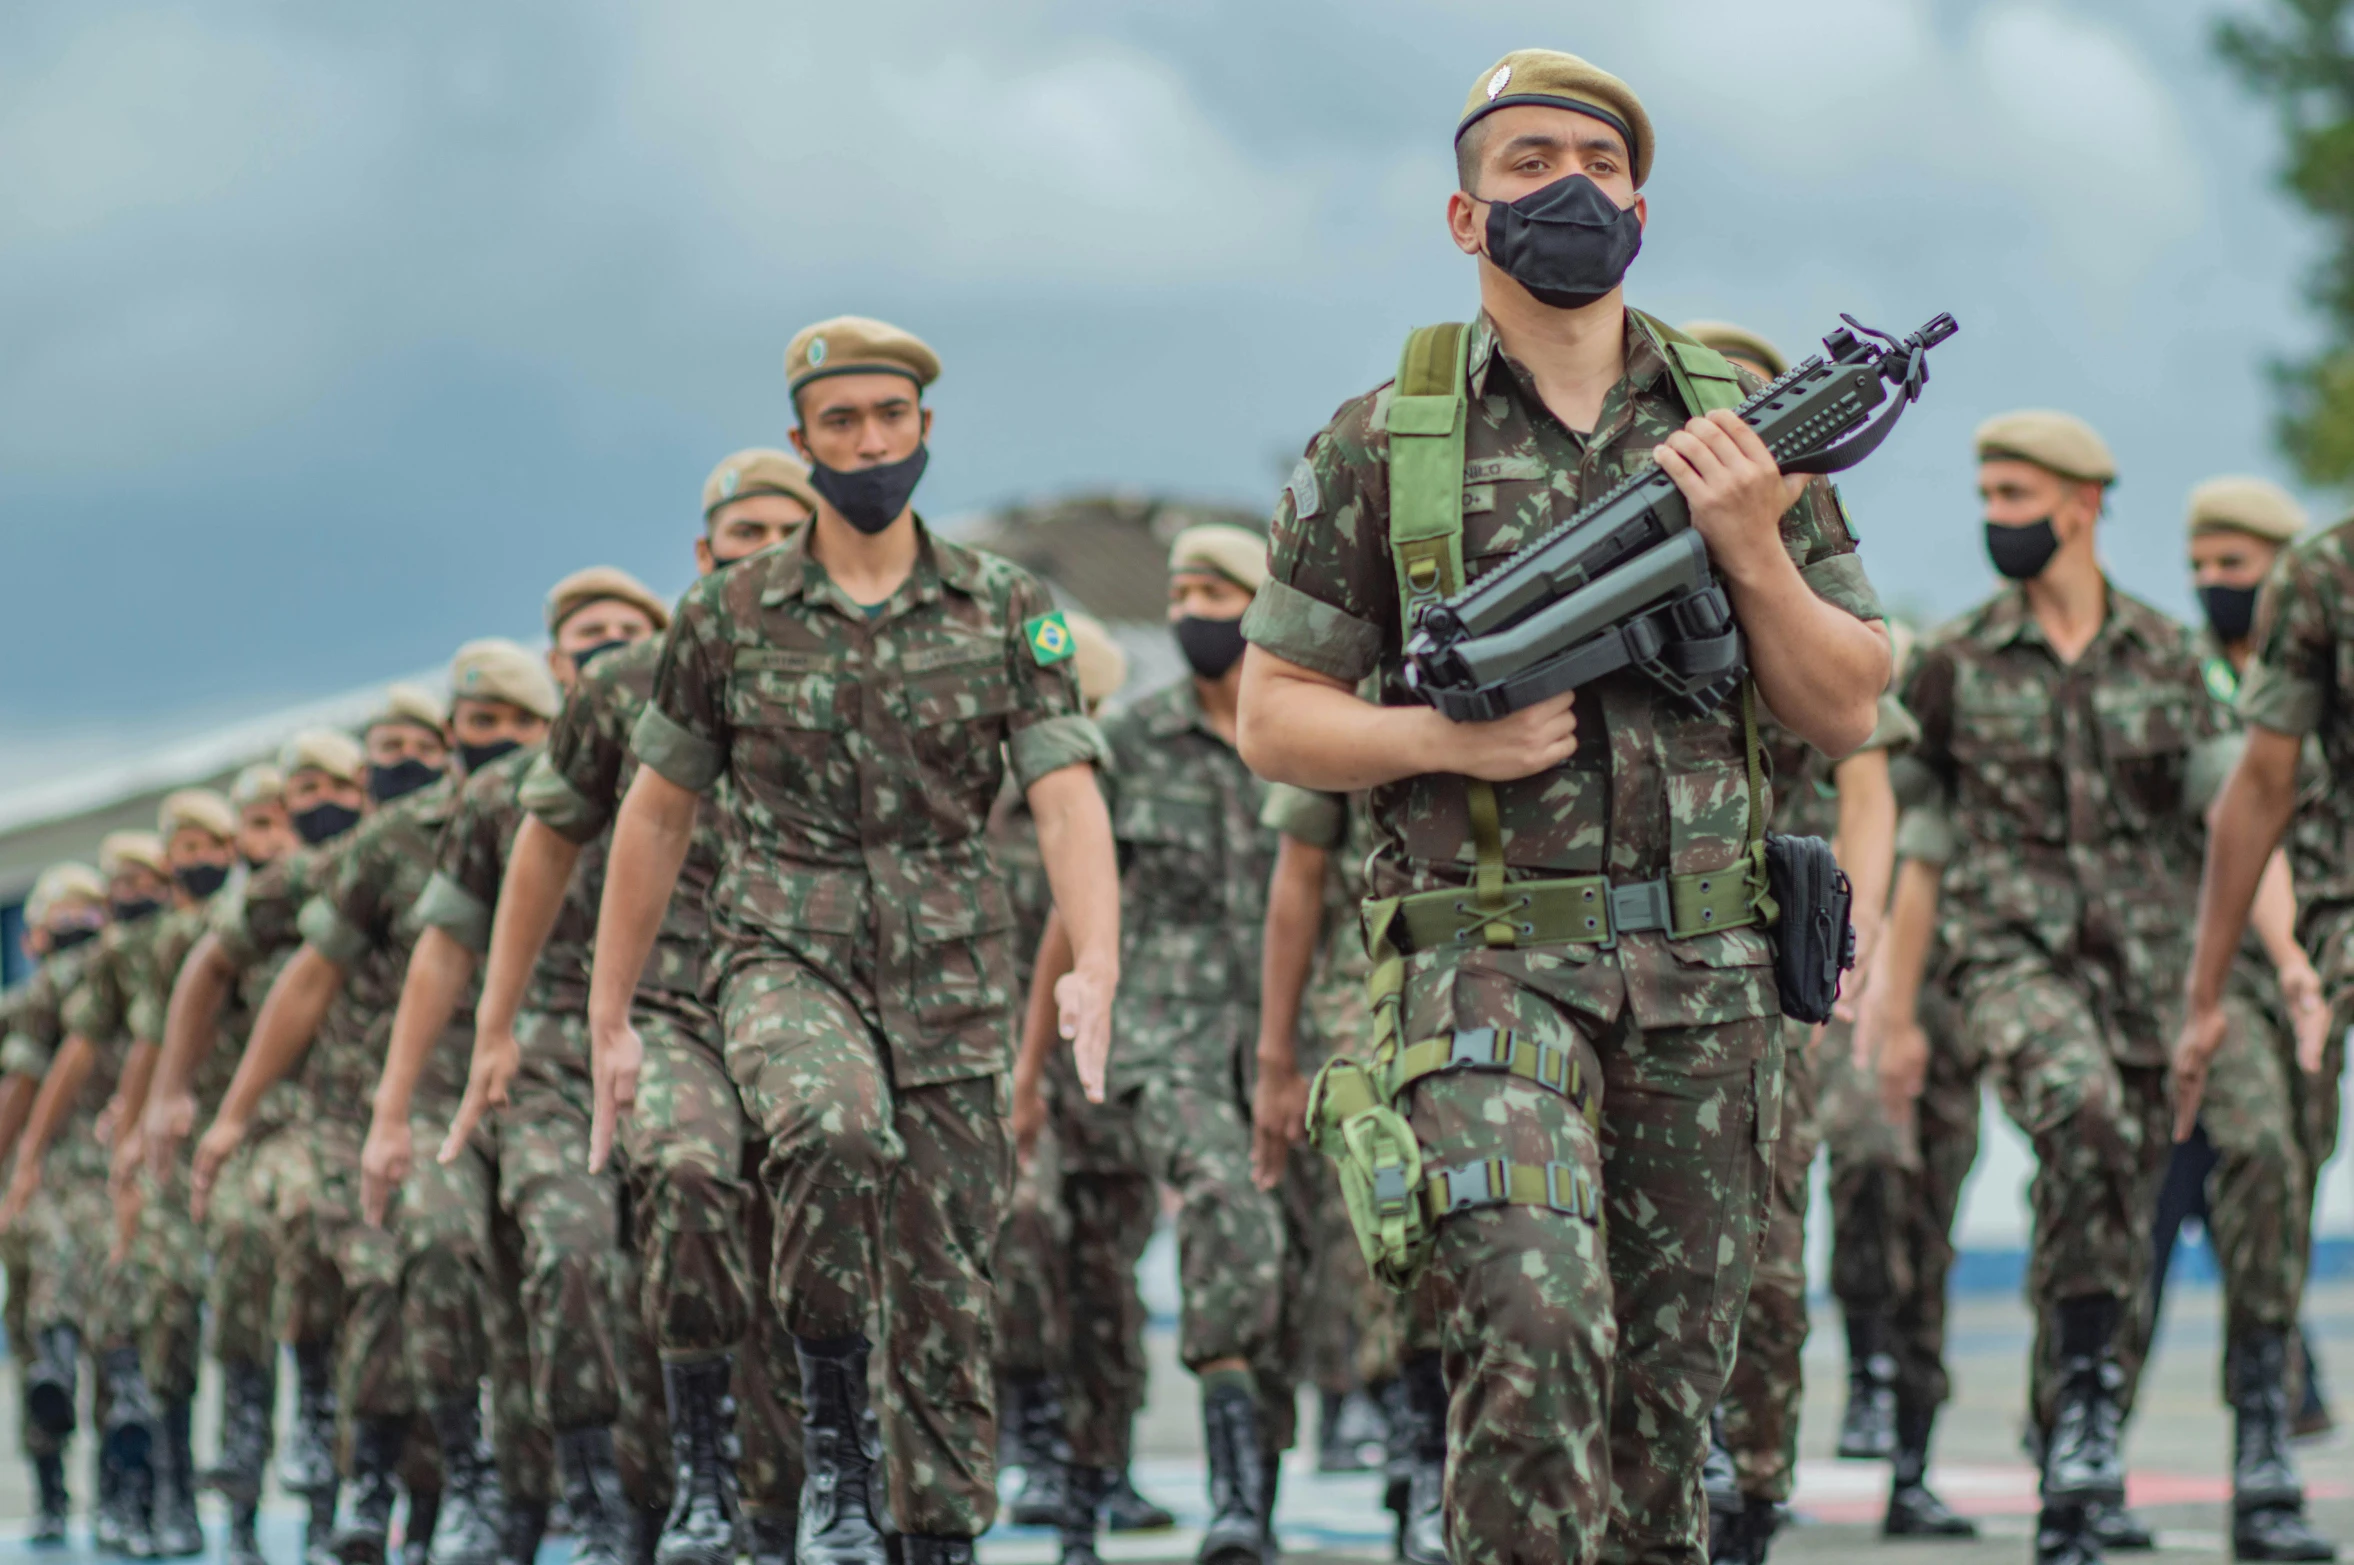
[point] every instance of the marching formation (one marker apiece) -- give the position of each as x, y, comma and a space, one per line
714, 1079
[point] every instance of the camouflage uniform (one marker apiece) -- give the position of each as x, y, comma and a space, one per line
420, 1294
688, 1143
99, 1010
1583, 1352
866, 978
559, 1224
2065, 907
2299, 682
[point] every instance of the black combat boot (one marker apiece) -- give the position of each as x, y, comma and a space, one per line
248, 1395
51, 1505
1238, 1503
1914, 1510
51, 1373
701, 1527
106, 1516
917, 1548
417, 1524
526, 1528
363, 1510
768, 1537
472, 1526
593, 1497
1720, 1485
2119, 1530
1013, 1396
307, 1463
1082, 1513
128, 1433
1126, 1510
1867, 1429
242, 1544
2064, 1536
838, 1524
1046, 1450
2309, 1394
1419, 1412
2267, 1498
2082, 1465
178, 1534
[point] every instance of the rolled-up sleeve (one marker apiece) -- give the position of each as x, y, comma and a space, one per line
683, 734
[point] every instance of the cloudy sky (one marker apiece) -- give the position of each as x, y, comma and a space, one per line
335, 334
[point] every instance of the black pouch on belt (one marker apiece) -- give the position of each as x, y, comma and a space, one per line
1814, 942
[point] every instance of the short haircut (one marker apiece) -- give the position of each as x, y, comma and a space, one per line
1468, 147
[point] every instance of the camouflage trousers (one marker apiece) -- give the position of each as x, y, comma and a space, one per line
1895, 1191
1033, 1322
1583, 1358
887, 1203
1768, 1387
68, 1224
2102, 1132
692, 1164
239, 1240
162, 1275
16, 1267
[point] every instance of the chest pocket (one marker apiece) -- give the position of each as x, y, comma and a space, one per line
1169, 838
2145, 737
2007, 741
958, 699
789, 711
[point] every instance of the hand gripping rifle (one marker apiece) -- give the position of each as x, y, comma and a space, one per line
1626, 583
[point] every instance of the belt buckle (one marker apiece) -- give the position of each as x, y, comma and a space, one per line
1638, 907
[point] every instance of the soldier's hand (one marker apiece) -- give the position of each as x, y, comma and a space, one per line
385, 1161
1029, 1114
1521, 744
1902, 1066
1279, 1120
615, 1060
1849, 1007
220, 1139
1736, 491
23, 1182
2203, 1027
2309, 1013
130, 1150
497, 1057
109, 1119
127, 1202
1083, 1007
167, 1123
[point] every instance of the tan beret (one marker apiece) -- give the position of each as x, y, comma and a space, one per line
758, 470
854, 345
1236, 553
198, 808
2057, 442
1102, 667
328, 750
67, 882
257, 784
602, 584
121, 850
2241, 503
495, 669
413, 704
1565, 81
1737, 342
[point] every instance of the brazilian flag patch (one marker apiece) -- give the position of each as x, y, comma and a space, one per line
2223, 681
1050, 637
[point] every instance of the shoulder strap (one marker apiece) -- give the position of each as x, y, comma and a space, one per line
1705, 379
1426, 422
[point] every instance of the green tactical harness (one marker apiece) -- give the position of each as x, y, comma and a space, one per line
1394, 1202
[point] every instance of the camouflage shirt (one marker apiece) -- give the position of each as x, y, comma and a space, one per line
256, 929
1194, 866
862, 753
471, 860
1651, 790
363, 918
180, 930
2070, 790
37, 1029
576, 787
2300, 682
1806, 799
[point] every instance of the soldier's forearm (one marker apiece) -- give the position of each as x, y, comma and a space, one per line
61, 1087
131, 1092
2273, 915
1082, 866
190, 1027
1295, 920
2243, 829
1295, 726
289, 1019
430, 991
1904, 946
530, 897
16, 1106
1818, 667
650, 840
1038, 1014
1866, 848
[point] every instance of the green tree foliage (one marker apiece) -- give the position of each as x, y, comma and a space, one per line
2300, 55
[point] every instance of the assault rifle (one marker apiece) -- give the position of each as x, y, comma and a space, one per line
1626, 583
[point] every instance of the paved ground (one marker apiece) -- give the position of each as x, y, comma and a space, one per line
2178, 1454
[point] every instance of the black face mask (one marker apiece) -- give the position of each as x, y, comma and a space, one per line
387, 783
322, 822
136, 909
587, 655
870, 498
478, 756
1567, 242
67, 939
202, 880
1210, 645
2021, 553
2231, 611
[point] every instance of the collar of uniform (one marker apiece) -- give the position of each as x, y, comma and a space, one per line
2010, 621
1646, 361
938, 563
1172, 710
